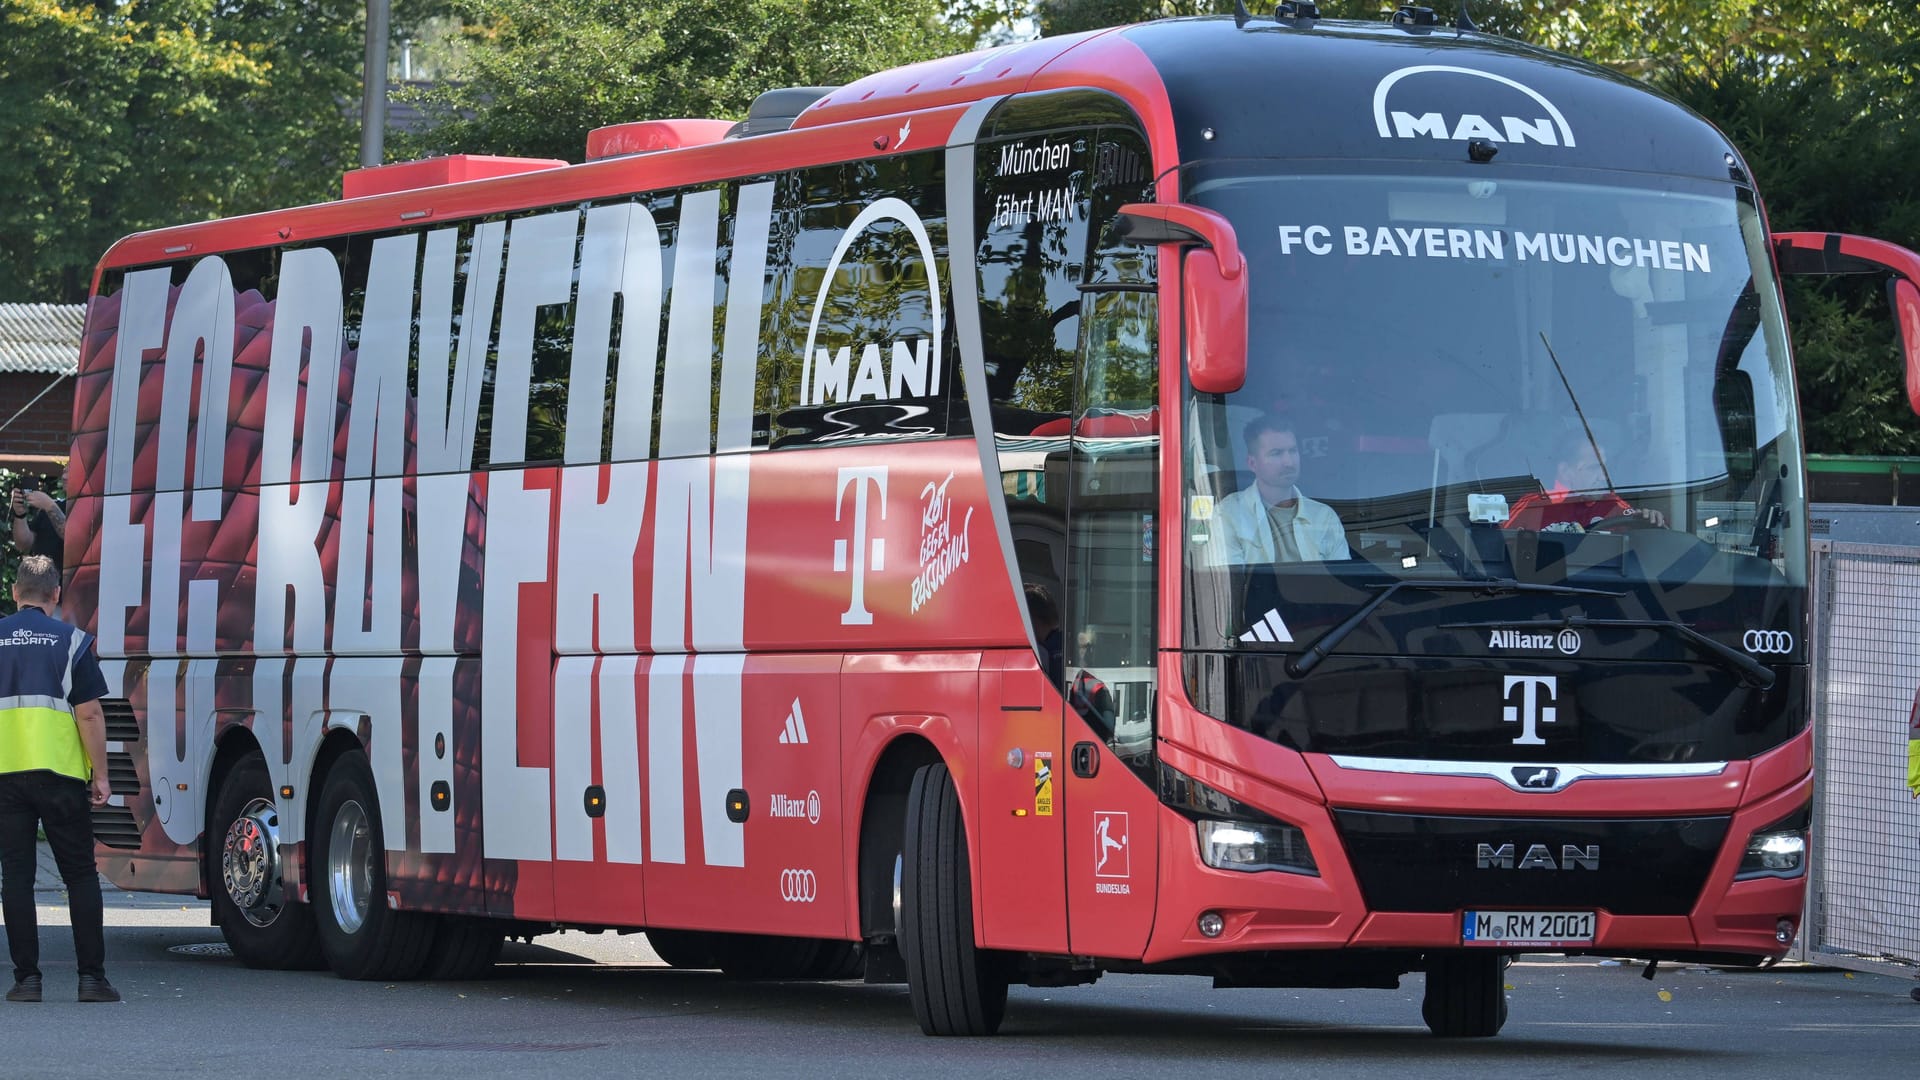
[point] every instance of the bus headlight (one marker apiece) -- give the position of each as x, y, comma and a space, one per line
1249, 846
1779, 850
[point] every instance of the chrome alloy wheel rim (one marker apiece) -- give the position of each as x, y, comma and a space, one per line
899, 865
250, 863
350, 866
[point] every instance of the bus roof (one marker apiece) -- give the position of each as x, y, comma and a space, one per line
1294, 89
1384, 92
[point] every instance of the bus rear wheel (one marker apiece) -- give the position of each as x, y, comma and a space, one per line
464, 947
1466, 994
956, 988
362, 937
252, 901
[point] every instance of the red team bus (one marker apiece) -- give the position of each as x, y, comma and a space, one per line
1038, 513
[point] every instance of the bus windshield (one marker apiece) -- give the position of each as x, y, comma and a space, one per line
1563, 384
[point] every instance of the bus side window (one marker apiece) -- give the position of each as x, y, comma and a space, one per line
862, 350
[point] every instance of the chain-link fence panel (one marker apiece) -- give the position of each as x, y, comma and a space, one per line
1863, 899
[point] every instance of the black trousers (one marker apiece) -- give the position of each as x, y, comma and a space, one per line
59, 805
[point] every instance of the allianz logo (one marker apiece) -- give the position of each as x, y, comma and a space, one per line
1566, 641
786, 806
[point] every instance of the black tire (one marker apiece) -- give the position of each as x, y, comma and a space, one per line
683, 949
464, 948
956, 989
362, 937
252, 903
1466, 994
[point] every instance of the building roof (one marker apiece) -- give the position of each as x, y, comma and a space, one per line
43, 338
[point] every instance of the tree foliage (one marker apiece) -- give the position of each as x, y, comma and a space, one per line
121, 116
540, 74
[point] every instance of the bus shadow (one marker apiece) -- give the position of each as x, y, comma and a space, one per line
1226, 1029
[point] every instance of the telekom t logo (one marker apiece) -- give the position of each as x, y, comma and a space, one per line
858, 477
1532, 708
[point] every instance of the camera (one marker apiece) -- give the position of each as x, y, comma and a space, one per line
29, 483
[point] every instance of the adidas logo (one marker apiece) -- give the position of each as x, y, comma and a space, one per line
1271, 628
796, 730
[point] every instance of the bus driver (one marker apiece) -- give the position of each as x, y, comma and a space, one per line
1582, 496
1270, 521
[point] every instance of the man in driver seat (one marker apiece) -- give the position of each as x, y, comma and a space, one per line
1271, 522
1582, 496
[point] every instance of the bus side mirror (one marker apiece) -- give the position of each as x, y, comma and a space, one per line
1839, 253
1213, 287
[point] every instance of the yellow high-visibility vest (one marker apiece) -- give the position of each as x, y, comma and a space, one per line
39, 733
1913, 748
37, 729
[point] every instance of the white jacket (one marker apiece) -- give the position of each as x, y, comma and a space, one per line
1243, 533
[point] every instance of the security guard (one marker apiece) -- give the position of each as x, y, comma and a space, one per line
53, 767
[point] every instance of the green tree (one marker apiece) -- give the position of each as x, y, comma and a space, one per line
122, 116
540, 74
91, 101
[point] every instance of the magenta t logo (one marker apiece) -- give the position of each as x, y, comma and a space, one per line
1532, 708
866, 555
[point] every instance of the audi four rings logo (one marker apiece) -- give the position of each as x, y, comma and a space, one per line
798, 886
1774, 642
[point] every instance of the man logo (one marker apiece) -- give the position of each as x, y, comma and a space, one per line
798, 886
1548, 130
910, 367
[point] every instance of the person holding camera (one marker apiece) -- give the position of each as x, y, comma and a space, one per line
39, 522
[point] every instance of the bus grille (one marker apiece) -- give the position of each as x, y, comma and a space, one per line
113, 826
122, 779
121, 726
1645, 866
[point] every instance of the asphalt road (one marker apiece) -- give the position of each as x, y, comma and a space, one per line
601, 1005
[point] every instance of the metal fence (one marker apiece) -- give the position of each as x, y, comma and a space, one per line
1863, 895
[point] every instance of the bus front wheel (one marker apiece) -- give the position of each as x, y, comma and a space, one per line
1466, 994
957, 989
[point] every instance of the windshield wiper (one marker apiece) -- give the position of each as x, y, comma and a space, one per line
1751, 671
1311, 656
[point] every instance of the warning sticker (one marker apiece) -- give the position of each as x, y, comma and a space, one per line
1042, 784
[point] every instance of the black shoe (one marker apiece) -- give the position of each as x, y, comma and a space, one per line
27, 989
97, 988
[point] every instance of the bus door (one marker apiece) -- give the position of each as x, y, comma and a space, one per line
1068, 323
1108, 673
1022, 895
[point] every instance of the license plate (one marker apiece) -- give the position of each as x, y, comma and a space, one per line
1529, 928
